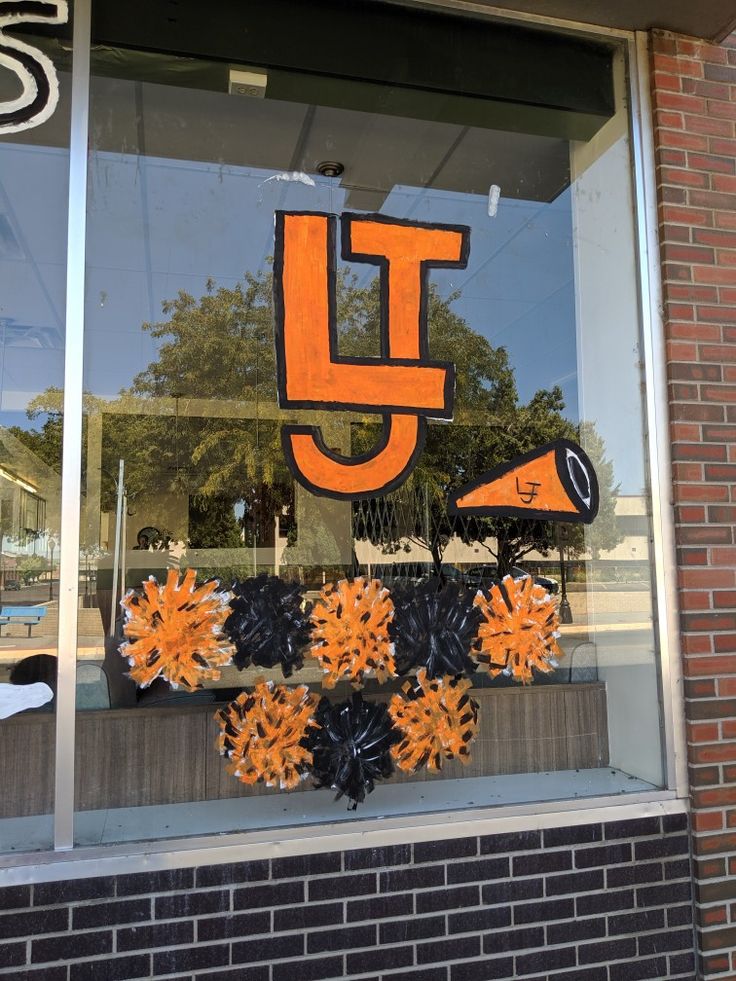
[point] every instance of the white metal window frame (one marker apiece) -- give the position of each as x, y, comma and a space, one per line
66, 861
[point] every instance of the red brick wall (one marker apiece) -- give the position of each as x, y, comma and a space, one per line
694, 94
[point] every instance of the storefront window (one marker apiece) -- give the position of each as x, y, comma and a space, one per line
34, 171
222, 190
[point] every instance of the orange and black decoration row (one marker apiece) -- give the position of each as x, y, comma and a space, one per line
279, 736
184, 632
362, 630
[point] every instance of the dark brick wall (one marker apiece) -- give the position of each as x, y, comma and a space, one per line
608, 902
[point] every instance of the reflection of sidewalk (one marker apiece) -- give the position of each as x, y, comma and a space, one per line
13, 649
92, 648
590, 630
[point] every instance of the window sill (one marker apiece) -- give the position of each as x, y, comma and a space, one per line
448, 809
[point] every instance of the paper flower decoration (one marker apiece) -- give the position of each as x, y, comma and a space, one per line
350, 632
437, 720
264, 734
269, 623
435, 626
176, 631
352, 747
520, 629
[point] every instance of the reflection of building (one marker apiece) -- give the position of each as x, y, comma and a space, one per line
29, 496
22, 511
632, 523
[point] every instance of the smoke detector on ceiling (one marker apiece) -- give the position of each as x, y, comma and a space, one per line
247, 81
330, 168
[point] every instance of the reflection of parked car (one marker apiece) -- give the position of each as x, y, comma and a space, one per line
395, 573
450, 573
13, 585
483, 576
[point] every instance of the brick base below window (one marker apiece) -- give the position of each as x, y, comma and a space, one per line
607, 902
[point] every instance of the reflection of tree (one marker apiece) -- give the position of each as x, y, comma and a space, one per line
491, 427
212, 524
604, 533
220, 348
417, 512
45, 442
30, 567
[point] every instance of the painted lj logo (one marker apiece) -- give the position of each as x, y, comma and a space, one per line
403, 385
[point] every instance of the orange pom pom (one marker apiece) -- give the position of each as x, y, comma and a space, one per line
437, 720
350, 632
520, 630
176, 631
263, 734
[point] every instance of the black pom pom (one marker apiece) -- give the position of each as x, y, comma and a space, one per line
434, 626
351, 750
269, 623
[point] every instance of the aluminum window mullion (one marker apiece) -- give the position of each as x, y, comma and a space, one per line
71, 479
657, 416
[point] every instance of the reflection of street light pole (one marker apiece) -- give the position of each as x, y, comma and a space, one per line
52, 546
119, 545
565, 609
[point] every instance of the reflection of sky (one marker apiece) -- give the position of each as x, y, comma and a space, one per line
33, 213
517, 290
159, 226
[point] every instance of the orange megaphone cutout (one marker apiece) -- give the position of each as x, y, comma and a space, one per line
404, 385
555, 482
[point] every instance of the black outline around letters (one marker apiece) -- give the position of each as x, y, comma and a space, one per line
422, 362
35, 62
349, 461
585, 514
385, 411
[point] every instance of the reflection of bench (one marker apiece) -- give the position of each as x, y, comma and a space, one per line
29, 616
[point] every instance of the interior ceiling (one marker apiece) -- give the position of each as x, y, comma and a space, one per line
711, 19
378, 152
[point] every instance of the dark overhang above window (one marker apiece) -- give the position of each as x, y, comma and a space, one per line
710, 19
442, 66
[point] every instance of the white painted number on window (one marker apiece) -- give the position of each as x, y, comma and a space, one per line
33, 68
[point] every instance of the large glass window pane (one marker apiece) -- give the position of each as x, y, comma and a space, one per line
185, 472
34, 172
